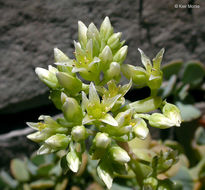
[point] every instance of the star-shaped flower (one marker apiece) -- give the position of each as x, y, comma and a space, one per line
98, 110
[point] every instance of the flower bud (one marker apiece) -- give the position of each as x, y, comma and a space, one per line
119, 155
150, 183
89, 49
70, 83
106, 56
82, 33
114, 70
72, 110
173, 113
73, 161
63, 63
38, 136
48, 76
114, 40
106, 29
160, 121
121, 54
93, 33
102, 140
79, 133
79, 52
58, 141
45, 149
60, 56
137, 74
154, 82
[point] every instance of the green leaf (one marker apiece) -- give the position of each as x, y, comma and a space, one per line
200, 136
188, 112
184, 177
193, 73
19, 170
183, 93
43, 159
116, 186
172, 68
62, 184
7, 179
32, 168
168, 89
42, 184
44, 170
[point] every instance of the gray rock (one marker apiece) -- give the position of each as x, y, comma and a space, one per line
15, 145
31, 29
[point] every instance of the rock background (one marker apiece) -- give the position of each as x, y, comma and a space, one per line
31, 29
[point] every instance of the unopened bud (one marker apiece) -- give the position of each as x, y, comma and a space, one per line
48, 76
38, 136
121, 54
154, 81
102, 140
93, 33
58, 141
114, 40
137, 74
106, 55
160, 121
72, 110
150, 183
106, 29
119, 155
114, 70
82, 33
69, 82
79, 133
73, 161
60, 56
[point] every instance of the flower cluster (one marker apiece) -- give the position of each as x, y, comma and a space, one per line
94, 108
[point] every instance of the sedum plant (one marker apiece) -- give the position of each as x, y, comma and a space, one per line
96, 118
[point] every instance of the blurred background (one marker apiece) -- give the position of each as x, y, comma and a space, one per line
29, 30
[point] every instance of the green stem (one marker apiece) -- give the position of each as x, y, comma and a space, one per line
134, 163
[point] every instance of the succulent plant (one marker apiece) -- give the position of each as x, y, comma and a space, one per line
38, 172
96, 116
183, 81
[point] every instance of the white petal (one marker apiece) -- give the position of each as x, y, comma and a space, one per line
87, 119
109, 120
93, 95
110, 102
